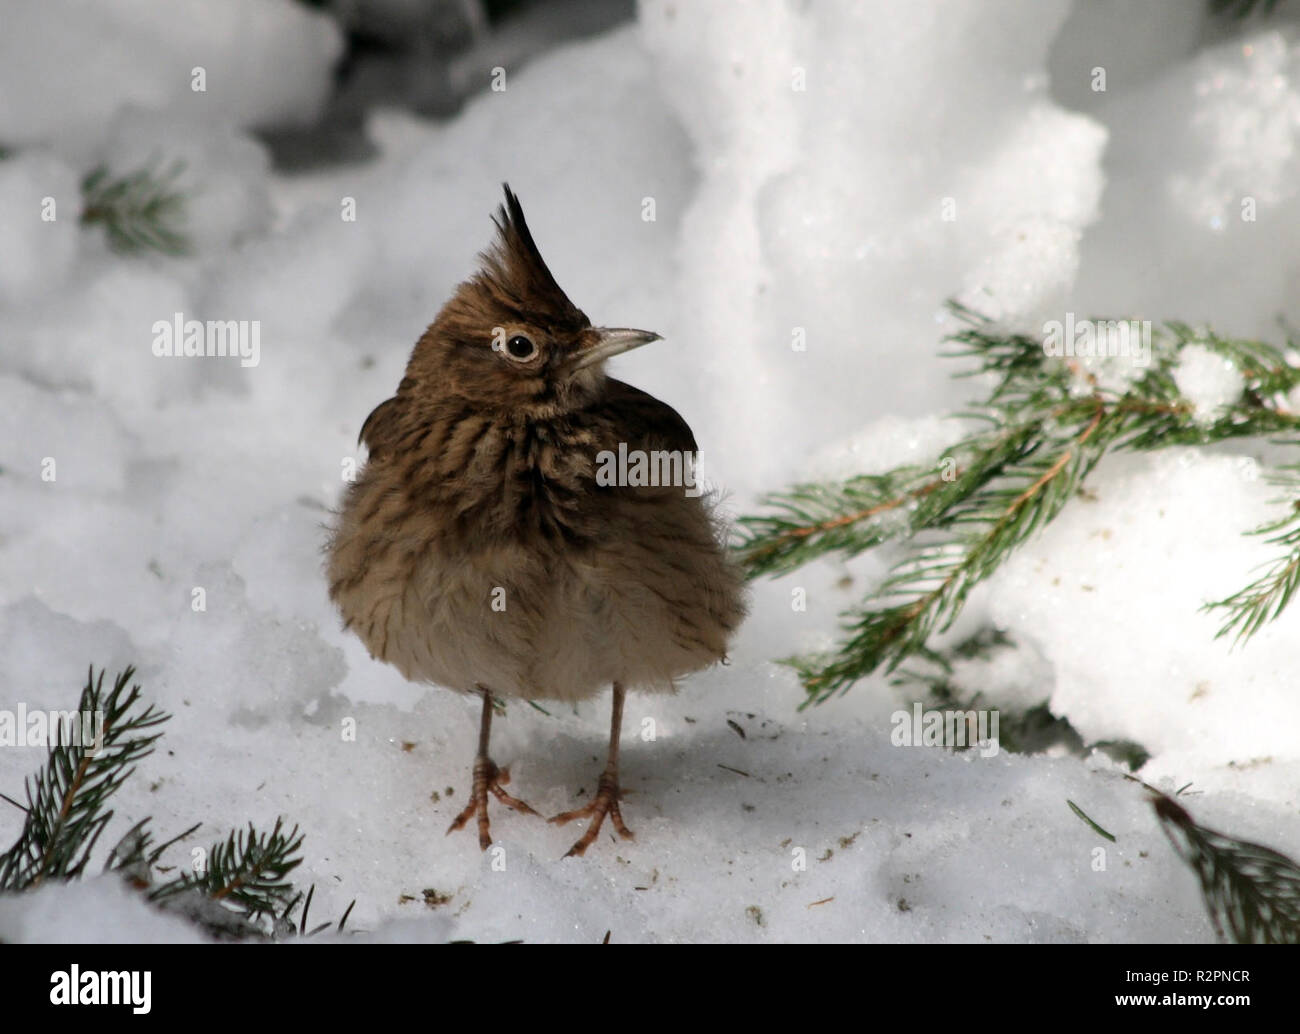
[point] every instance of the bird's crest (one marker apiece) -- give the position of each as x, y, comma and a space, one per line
514, 273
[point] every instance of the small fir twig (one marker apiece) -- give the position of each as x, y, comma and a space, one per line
140, 211
66, 809
1029, 444
1251, 891
241, 885
1264, 599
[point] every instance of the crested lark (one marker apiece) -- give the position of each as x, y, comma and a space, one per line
478, 548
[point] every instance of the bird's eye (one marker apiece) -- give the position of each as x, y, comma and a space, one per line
521, 348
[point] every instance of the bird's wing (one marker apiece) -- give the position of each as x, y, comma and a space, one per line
379, 431
641, 420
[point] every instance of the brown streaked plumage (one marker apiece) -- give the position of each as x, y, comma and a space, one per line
477, 550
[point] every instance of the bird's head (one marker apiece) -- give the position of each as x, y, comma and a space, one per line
510, 339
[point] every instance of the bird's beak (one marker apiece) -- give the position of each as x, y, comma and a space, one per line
611, 341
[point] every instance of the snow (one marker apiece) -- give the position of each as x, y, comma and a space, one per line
929, 154
1093, 589
98, 910
1208, 381
265, 62
1213, 191
41, 252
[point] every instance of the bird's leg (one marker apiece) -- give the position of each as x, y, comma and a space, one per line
487, 778
607, 792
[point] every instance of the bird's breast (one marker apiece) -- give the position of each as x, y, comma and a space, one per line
493, 481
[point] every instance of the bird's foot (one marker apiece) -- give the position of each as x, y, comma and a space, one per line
604, 803
487, 779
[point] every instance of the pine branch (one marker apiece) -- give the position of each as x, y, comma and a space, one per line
248, 871
1041, 429
1252, 892
139, 211
1264, 599
813, 519
66, 801
934, 582
240, 886
244, 879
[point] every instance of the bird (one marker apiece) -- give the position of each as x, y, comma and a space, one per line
488, 544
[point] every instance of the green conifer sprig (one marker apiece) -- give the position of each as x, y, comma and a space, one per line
1250, 609
1028, 445
249, 870
66, 809
1252, 892
140, 211
241, 890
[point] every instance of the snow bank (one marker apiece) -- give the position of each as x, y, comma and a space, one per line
66, 66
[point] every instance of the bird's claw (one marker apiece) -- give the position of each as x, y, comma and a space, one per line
487, 779
604, 803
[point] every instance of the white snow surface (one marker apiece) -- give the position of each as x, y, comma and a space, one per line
67, 66
927, 155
